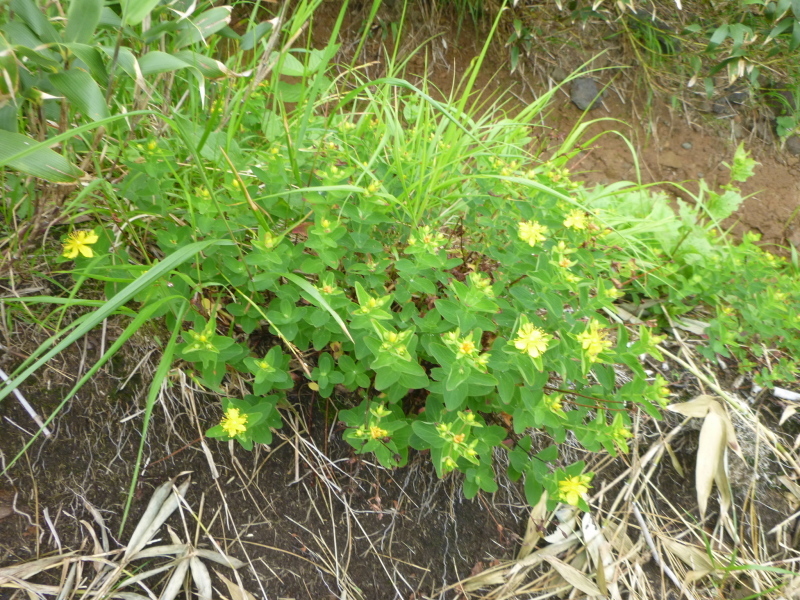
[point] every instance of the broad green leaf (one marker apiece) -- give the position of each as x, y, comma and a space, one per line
204, 25
82, 19
34, 17
83, 92
20, 34
780, 28
134, 11
91, 57
9, 72
795, 43
41, 162
160, 62
125, 59
290, 65
165, 29
718, 36
250, 38
9, 117
108, 18
41, 57
207, 66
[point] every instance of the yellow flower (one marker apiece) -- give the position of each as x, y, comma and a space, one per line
532, 340
566, 263
377, 433
532, 232
576, 219
572, 488
466, 348
554, 404
593, 340
234, 423
79, 242
482, 283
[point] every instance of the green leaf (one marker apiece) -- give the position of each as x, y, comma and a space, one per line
204, 25
721, 206
35, 18
134, 11
91, 57
160, 62
458, 374
207, 66
83, 92
41, 162
718, 36
82, 19
108, 18
795, 43
317, 297
251, 37
290, 65
428, 434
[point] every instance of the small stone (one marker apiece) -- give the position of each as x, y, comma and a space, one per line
558, 74
700, 175
722, 107
671, 160
686, 145
585, 94
793, 144
728, 104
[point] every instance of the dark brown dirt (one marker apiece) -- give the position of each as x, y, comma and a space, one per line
299, 519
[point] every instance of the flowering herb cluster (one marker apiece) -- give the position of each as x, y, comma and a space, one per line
442, 312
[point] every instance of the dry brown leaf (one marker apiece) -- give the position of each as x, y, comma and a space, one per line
697, 408
710, 453
792, 590
787, 413
599, 550
691, 325
792, 486
29, 569
692, 556
567, 524
236, 592
574, 577
676, 464
536, 523
618, 537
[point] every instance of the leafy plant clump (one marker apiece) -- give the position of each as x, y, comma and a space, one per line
453, 336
